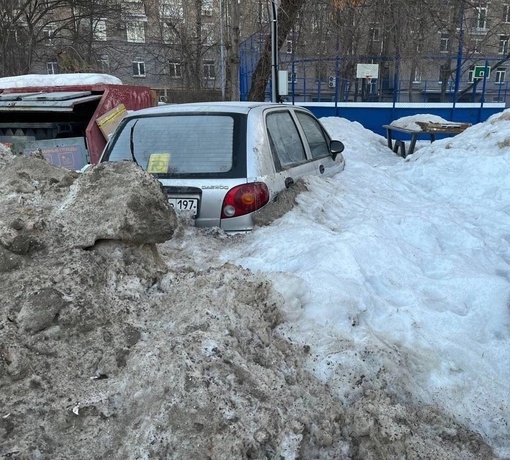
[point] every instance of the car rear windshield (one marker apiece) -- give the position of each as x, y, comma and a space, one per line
182, 145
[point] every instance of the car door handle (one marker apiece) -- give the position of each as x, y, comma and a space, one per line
288, 181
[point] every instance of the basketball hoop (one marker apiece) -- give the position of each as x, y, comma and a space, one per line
367, 72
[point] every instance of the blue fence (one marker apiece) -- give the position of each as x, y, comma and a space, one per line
304, 90
374, 115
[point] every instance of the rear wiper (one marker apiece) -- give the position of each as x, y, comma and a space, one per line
132, 144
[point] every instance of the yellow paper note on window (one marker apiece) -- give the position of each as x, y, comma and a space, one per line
158, 163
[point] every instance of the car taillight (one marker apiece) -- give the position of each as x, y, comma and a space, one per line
244, 199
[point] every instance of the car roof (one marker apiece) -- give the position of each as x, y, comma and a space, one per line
223, 106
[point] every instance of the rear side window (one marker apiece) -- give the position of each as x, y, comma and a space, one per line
285, 140
318, 143
181, 145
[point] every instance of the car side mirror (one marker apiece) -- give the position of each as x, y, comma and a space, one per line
336, 147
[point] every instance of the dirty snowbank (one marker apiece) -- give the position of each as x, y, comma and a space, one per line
115, 347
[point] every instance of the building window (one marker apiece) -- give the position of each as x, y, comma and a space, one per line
209, 71
506, 13
138, 69
169, 34
99, 31
443, 44
52, 67
208, 34
289, 45
48, 35
104, 63
444, 72
135, 32
207, 7
133, 8
321, 71
263, 12
503, 44
171, 9
477, 45
500, 75
174, 69
481, 17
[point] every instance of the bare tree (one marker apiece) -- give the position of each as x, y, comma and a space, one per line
62, 32
84, 43
287, 14
325, 37
234, 29
356, 36
25, 25
193, 44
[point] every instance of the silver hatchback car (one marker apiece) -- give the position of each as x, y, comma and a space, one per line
224, 161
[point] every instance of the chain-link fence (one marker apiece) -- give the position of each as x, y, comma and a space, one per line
333, 78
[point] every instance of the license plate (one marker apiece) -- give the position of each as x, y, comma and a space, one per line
184, 204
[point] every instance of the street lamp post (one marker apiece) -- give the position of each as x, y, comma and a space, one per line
274, 51
458, 70
222, 54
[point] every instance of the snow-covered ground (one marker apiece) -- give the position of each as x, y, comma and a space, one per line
399, 271
396, 273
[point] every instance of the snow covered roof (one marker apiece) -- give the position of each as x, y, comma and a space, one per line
64, 79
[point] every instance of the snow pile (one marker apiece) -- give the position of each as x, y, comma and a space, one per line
118, 347
410, 121
5, 154
397, 272
64, 79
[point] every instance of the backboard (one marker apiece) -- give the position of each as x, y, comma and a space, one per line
367, 71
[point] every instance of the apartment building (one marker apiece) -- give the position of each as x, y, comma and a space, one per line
197, 49
166, 44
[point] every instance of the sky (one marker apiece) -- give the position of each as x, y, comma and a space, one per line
396, 269
399, 270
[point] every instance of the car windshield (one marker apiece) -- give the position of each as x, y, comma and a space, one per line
178, 145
